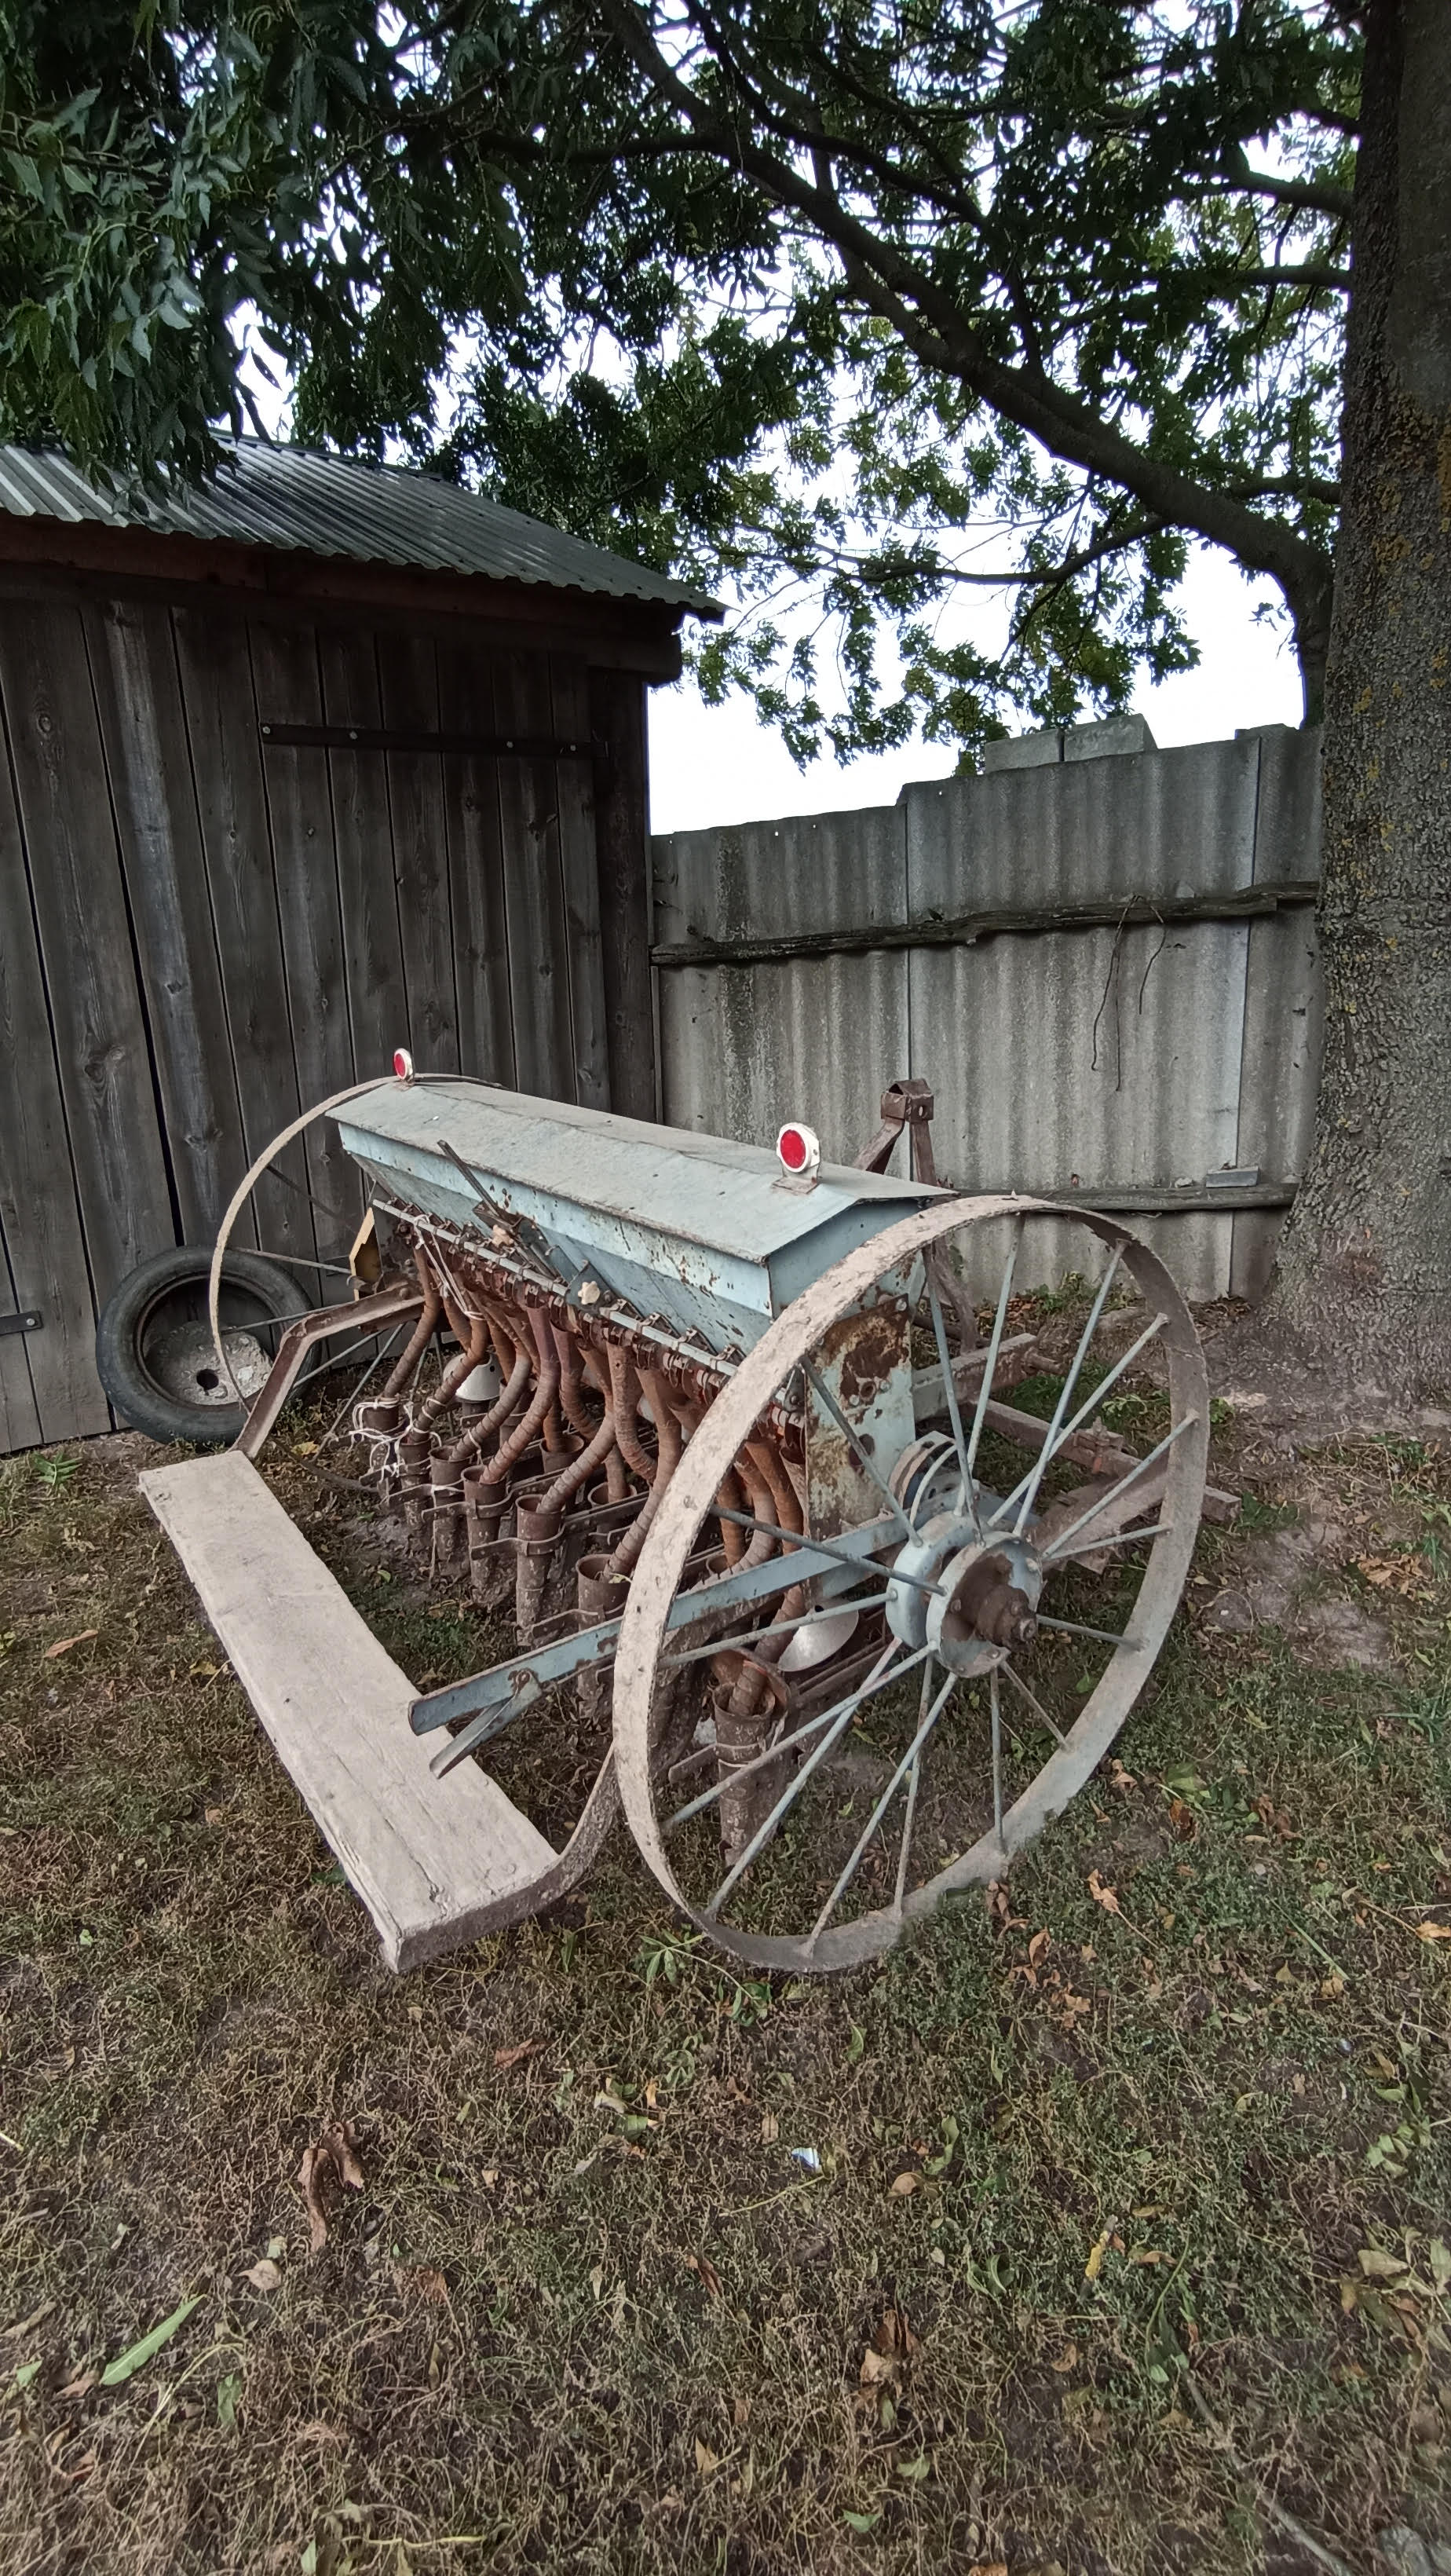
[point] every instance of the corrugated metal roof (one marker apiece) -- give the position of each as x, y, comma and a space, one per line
298, 498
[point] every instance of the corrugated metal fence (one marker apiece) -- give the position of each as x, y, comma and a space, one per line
1107, 967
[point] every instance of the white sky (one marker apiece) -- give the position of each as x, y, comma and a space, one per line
718, 765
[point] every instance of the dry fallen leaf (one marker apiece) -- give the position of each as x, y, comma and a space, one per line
1102, 1895
1067, 2359
1040, 1942
705, 2458
877, 2366
1183, 1820
332, 2161
1433, 1931
904, 2183
770, 2128
263, 2275
709, 2277
504, 2058
1394, 1573
315, 2164
1097, 2251
63, 1645
1378, 2266
341, 2142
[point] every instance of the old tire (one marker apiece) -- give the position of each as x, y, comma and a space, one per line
154, 1351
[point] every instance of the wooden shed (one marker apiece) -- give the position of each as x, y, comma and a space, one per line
317, 761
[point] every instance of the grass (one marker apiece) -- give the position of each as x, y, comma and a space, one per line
1145, 2158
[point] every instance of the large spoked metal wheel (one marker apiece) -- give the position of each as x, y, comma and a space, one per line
815, 1768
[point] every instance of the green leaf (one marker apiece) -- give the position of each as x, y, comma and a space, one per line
136, 2356
24, 2373
862, 2522
229, 2389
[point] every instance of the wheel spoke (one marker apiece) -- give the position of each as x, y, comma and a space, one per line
996, 1705
297, 1261
1140, 1468
899, 1893
1076, 1628
1111, 1376
912, 1754
824, 1396
989, 1366
841, 1720
1094, 1399
954, 1410
1035, 1704
1116, 1538
1045, 1455
831, 1609
355, 1397
883, 1671
815, 1546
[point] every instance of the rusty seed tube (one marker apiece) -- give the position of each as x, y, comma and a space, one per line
667, 1429
515, 1442
423, 1331
475, 1349
516, 1371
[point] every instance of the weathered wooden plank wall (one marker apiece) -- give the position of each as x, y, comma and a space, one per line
202, 930
1115, 1056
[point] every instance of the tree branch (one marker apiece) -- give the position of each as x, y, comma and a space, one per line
1312, 273
931, 324
1310, 196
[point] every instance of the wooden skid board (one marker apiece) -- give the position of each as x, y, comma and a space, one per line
431, 1859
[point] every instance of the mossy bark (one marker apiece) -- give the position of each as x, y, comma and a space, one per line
1364, 1273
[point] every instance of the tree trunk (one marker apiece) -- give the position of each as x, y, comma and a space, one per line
1364, 1274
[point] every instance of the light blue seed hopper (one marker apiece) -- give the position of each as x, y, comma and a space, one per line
714, 1238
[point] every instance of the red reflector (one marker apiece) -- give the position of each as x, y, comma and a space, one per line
403, 1064
798, 1151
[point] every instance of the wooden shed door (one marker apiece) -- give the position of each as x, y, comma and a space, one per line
240, 863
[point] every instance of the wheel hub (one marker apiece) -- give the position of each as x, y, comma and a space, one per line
987, 1604
983, 1597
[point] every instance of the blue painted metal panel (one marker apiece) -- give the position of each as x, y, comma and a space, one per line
708, 1234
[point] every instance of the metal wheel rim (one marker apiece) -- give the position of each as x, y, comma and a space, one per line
687, 1504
